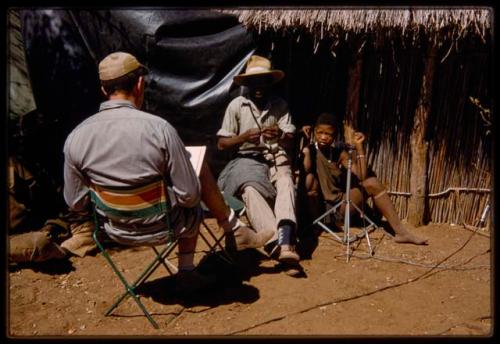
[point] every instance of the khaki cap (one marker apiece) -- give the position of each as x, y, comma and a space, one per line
258, 67
118, 64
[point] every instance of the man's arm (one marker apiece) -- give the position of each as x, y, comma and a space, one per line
251, 135
75, 185
229, 135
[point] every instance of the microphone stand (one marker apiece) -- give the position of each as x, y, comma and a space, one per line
347, 238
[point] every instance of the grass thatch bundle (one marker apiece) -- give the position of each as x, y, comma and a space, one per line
454, 22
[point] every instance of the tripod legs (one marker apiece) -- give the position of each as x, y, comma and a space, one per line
366, 229
347, 238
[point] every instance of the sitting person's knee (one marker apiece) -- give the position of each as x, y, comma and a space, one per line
372, 186
249, 190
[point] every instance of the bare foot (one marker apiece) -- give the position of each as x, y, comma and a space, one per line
409, 238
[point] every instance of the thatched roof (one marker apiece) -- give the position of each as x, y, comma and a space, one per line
454, 23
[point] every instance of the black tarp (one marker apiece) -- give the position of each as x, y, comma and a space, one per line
192, 56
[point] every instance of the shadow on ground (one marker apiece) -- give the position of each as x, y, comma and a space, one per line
229, 283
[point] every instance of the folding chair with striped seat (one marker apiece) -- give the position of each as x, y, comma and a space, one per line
140, 202
239, 208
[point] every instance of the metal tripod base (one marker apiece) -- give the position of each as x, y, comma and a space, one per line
347, 239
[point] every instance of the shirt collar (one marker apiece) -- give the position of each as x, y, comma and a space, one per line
116, 103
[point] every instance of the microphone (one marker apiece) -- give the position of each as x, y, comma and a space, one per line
343, 145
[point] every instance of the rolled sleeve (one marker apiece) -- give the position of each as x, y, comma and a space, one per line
225, 133
230, 124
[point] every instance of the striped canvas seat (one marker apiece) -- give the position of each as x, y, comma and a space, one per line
123, 202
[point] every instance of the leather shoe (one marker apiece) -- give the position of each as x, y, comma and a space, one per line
288, 256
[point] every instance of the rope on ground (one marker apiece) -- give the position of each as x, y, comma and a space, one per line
410, 262
485, 317
430, 272
425, 274
176, 316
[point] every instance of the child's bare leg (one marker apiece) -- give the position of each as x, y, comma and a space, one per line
356, 197
384, 205
312, 189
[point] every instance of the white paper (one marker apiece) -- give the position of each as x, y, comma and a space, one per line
196, 156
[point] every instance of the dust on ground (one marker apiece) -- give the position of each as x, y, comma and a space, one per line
398, 291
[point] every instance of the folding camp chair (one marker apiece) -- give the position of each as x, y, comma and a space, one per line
239, 208
143, 201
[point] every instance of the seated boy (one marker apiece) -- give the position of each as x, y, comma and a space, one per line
325, 174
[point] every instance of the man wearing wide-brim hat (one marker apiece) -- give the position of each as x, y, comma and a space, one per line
122, 147
260, 126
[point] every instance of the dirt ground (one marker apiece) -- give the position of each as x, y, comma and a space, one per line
398, 291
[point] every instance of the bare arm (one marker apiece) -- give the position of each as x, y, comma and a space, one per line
306, 160
358, 158
251, 135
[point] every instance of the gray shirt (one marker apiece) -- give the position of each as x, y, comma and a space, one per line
242, 114
121, 146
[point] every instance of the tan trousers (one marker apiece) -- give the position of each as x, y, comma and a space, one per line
261, 214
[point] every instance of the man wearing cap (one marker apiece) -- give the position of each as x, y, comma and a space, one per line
121, 146
260, 126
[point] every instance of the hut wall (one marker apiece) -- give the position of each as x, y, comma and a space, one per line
460, 147
459, 151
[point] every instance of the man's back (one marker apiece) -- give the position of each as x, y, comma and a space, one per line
123, 147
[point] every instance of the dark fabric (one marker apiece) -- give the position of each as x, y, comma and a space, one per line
332, 176
192, 56
32, 197
33, 247
241, 172
329, 177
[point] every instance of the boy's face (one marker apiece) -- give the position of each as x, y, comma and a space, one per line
324, 134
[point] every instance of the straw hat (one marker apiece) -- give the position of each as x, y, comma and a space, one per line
259, 67
118, 64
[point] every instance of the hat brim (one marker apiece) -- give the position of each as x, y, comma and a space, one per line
270, 77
